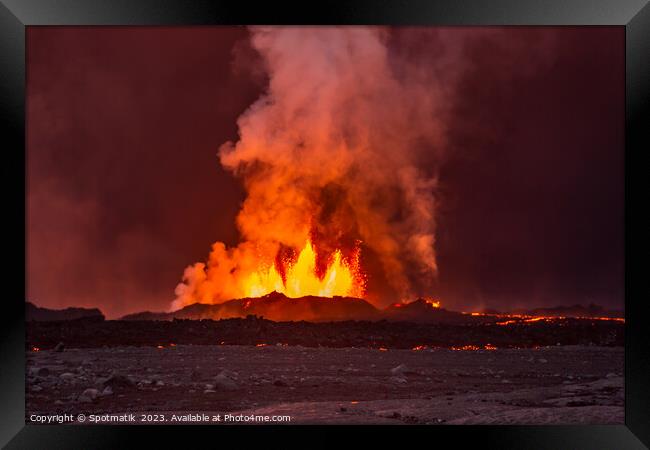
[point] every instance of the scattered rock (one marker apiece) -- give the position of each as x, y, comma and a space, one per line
542, 360
280, 383
117, 381
399, 370
223, 382
91, 393
67, 376
160, 383
59, 347
611, 375
107, 391
398, 380
36, 388
229, 373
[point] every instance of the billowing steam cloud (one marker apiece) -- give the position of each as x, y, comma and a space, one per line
333, 151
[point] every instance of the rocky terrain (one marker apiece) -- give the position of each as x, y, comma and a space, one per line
508, 333
557, 384
443, 367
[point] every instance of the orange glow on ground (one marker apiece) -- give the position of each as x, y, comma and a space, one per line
518, 318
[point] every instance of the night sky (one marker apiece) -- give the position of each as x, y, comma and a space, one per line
124, 187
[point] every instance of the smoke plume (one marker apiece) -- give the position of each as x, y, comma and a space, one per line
343, 146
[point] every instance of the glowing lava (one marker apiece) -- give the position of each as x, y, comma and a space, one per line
343, 277
432, 302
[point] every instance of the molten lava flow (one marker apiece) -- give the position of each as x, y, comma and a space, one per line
432, 302
341, 278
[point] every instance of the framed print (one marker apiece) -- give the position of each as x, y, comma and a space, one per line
423, 215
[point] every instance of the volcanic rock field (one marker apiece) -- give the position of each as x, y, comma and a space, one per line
313, 385
446, 368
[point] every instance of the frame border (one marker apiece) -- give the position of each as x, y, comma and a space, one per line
16, 15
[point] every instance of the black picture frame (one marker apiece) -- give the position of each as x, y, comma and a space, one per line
16, 15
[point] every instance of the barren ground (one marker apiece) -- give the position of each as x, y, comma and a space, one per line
560, 384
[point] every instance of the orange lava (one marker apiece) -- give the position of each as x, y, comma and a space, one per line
519, 318
466, 347
343, 277
433, 302
507, 322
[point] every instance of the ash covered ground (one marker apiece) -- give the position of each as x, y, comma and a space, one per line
324, 385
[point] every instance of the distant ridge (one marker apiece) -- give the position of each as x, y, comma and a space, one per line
38, 314
591, 310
